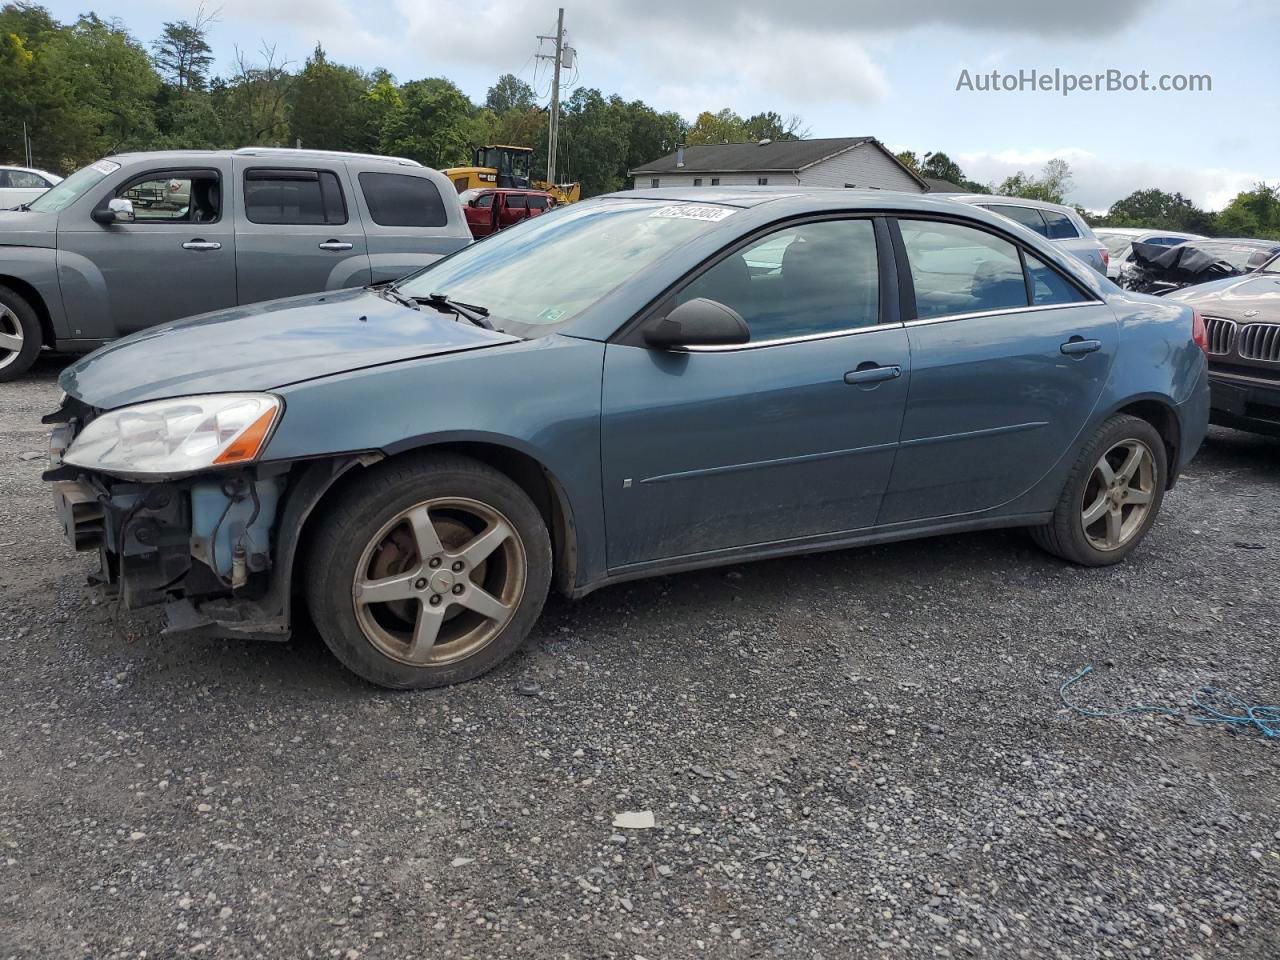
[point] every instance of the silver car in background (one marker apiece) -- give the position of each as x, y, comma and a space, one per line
1119, 242
1053, 221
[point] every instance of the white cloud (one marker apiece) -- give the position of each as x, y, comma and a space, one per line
1099, 181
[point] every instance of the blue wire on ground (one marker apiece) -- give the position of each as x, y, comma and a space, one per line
1242, 713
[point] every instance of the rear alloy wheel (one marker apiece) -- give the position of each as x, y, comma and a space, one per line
428, 571
1112, 496
19, 335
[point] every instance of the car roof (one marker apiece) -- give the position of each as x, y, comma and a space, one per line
278, 153
1146, 232
998, 200
797, 199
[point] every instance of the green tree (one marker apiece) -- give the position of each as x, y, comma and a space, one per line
510, 93
941, 167
723, 127
430, 124
773, 126
1157, 209
253, 103
327, 105
182, 55
1052, 185
909, 160
1252, 213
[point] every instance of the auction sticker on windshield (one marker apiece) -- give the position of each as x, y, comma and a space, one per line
105, 166
692, 211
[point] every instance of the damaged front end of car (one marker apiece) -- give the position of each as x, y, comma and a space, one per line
214, 543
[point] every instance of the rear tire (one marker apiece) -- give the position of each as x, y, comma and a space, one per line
428, 571
20, 335
1112, 496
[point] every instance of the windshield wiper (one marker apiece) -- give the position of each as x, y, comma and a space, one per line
477, 315
394, 294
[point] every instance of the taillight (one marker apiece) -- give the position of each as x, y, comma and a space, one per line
1106, 258
1198, 333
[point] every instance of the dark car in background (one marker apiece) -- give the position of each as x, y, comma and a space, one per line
1242, 318
140, 239
491, 210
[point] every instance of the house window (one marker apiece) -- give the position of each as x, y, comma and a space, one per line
715, 181
697, 181
653, 182
762, 181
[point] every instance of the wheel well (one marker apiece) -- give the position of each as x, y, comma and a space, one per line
32, 296
1161, 416
523, 470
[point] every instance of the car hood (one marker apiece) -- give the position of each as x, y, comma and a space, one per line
1254, 296
26, 228
267, 345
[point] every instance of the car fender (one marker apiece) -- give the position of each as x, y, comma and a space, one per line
33, 272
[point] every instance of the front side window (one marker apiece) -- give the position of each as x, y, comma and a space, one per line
536, 279
1048, 286
1059, 225
1027, 216
812, 278
403, 200
484, 201
23, 180
297, 197
62, 195
174, 197
958, 269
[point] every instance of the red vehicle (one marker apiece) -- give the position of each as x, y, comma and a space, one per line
489, 211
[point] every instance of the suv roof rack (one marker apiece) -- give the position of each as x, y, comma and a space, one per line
325, 154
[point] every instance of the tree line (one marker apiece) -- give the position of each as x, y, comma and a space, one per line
89, 88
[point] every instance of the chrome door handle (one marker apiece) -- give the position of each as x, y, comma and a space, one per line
873, 374
1077, 346
335, 245
202, 245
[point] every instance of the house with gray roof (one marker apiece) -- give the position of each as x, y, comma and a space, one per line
834, 162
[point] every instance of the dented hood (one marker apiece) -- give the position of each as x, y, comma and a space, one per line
267, 345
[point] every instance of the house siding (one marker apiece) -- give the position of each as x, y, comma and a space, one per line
863, 166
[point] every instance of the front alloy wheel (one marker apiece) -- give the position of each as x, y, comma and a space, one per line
427, 570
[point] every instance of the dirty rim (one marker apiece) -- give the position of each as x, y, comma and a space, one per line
11, 339
439, 581
1118, 496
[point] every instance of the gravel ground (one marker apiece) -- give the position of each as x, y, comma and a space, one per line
858, 754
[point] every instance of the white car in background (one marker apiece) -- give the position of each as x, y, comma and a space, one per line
23, 184
1119, 242
1053, 221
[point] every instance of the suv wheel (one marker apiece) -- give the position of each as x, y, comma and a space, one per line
20, 338
428, 572
1112, 496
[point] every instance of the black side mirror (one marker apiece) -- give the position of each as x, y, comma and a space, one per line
698, 323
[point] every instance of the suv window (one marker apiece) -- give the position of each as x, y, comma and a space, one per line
1059, 224
810, 278
293, 197
1027, 216
400, 200
537, 203
175, 196
516, 201
959, 269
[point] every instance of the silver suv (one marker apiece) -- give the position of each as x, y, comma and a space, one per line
139, 239
1054, 221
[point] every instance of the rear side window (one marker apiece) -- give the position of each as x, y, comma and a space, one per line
1027, 216
516, 201
537, 203
400, 200
23, 180
1059, 225
1048, 286
293, 197
958, 269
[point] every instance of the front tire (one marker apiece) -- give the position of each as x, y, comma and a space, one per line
20, 337
1112, 496
428, 571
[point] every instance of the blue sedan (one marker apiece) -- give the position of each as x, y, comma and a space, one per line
644, 383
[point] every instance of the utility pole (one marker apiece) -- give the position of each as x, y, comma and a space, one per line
553, 132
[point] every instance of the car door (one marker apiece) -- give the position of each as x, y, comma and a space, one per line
515, 207
1008, 358
175, 259
789, 436
479, 214
296, 230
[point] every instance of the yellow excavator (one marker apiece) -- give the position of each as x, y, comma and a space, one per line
502, 165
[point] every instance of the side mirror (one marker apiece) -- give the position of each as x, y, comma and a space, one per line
698, 323
119, 210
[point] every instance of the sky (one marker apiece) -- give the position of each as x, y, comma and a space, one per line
848, 68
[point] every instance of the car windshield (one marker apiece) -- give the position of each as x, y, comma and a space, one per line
63, 194
1116, 243
537, 277
1271, 266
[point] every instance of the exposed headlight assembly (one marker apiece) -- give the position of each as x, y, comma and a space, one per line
168, 438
